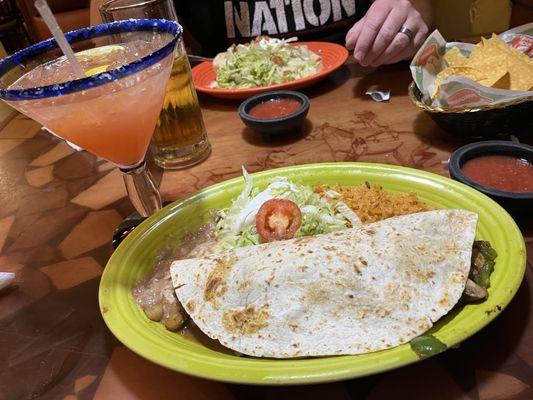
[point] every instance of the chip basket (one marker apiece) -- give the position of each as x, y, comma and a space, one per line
481, 122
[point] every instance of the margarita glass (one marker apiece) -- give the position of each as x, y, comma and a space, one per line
113, 109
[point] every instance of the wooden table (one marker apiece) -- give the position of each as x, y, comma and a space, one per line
59, 208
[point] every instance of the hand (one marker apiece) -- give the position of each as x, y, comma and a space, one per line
376, 40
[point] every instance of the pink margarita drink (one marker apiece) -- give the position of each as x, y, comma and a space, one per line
114, 121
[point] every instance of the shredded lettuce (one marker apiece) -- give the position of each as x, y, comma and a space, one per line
265, 61
236, 224
229, 216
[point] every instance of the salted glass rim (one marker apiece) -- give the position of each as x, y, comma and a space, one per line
101, 78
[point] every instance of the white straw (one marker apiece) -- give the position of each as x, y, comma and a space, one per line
49, 19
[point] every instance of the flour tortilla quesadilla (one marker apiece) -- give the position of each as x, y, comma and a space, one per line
349, 292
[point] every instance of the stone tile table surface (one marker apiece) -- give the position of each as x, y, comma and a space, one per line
59, 209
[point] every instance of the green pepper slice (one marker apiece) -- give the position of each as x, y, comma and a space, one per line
427, 345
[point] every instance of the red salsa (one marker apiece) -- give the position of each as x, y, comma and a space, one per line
275, 108
509, 174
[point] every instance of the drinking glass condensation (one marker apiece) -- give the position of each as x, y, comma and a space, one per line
180, 138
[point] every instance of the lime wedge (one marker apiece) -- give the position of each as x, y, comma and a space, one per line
101, 51
99, 55
96, 70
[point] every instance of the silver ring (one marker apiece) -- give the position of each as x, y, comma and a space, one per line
407, 32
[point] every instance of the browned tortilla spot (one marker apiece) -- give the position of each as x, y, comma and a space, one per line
244, 284
301, 240
190, 306
423, 325
247, 321
316, 294
329, 248
216, 281
420, 276
445, 300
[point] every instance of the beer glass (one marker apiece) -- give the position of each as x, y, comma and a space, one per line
180, 138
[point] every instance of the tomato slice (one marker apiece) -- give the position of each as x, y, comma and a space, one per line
278, 219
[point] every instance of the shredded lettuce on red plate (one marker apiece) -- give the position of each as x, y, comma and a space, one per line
263, 62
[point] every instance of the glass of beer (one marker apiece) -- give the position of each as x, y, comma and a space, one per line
180, 138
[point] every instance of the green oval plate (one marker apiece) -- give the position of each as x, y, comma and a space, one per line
136, 255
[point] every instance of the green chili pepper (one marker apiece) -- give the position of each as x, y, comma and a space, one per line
486, 249
427, 345
482, 277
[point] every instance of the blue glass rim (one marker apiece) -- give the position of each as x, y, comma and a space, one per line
101, 78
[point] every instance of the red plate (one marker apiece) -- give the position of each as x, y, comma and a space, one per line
333, 56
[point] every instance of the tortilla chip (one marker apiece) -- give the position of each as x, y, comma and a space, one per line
493, 68
503, 83
521, 74
519, 65
483, 50
491, 63
454, 58
497, 42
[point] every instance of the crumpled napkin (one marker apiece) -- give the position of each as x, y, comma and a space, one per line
6, 280
378, 95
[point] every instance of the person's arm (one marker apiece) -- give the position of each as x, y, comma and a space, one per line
375, 39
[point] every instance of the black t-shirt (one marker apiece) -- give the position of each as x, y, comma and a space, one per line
216, 24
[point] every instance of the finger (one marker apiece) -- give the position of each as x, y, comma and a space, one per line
420, 36
386, 34
418, 40
399, 43
408, 51
353, 34
403, 55
374, 19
